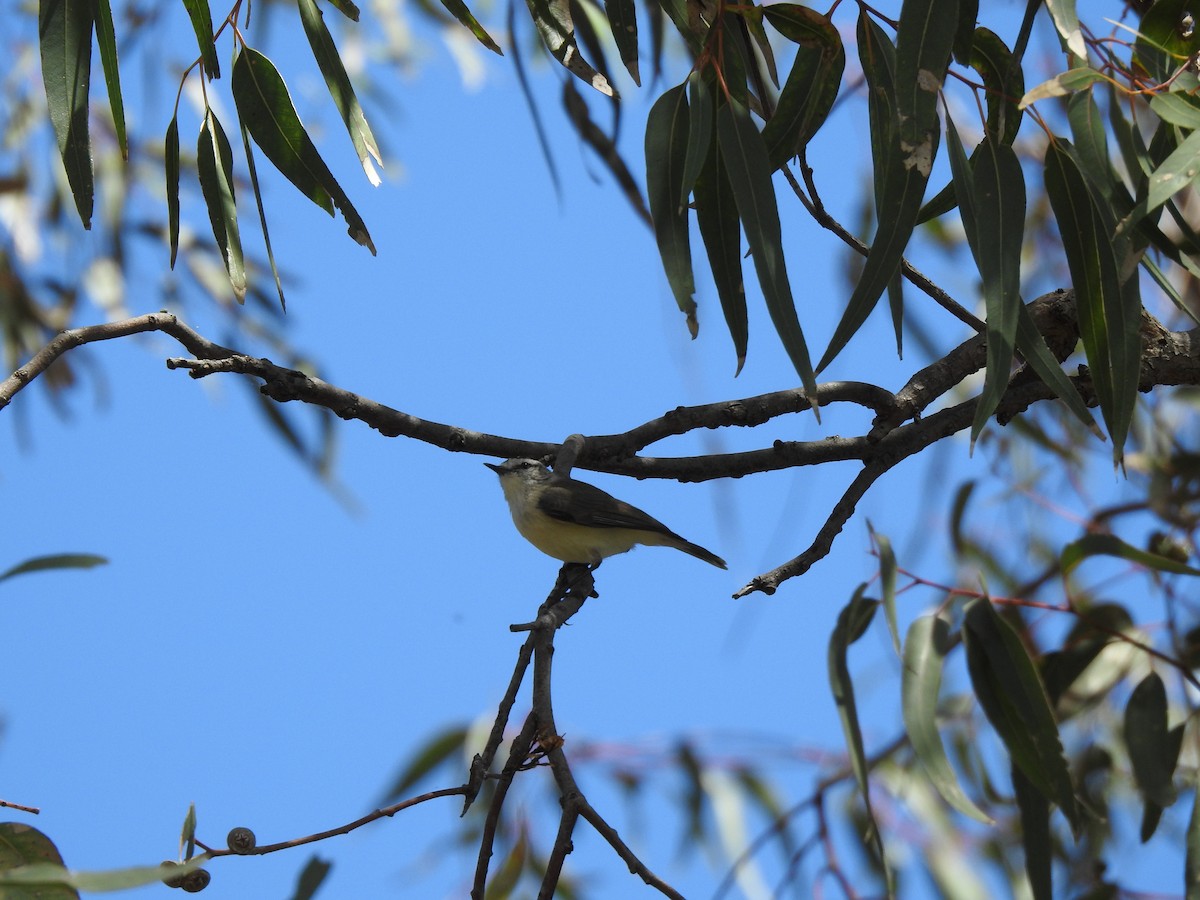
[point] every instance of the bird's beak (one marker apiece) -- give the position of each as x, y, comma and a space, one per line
495, 468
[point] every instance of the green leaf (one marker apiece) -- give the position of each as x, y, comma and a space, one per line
887, 583
1148, 739
1111, 545
201, 18
187, 834
1163, 45
54, 561
1106, 289
1032, 346
966, 34
1003, 84
314, 873
1178, 109
1067, 23
171, 157
745, 158
1015, 702
435, 751
1035, 835
106, 40
65, 39
1000, 219
752, 17
22, 848
1060, 85
702, 111
925, 649
667, 128
262, 221
557, 30
812, 84
923, 43
851, 625
50, 881
1177, 172
340, 89
459, 10
214, 164
622, 19
266, 108
346, 8
717, 216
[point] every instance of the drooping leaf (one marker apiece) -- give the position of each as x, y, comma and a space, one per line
346, 8
171, 164
1178, 108
265, 106
925, 649
1164, 44
50, 881
187, 834
1106, 289
924, 40
1003, 84
201, 18
54, 561
702, 113
1034, 809
967, 34
887, 583
557, 29
65, 40
622, 18
340, 89
24, 848
312, 876
752, 18
1148, 740
106, 40
1177, 172
605, 147
214, 165
812, 84
667, 128
1000, 220
1013, 699
720, 229
1110, 545
262, 221
749, 170
852, 623
1033, 349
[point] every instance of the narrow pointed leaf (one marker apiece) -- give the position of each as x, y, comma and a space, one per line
1148, 740
1106, 288
1003, 84
1013, 699
266, 108
214, 164
925, 649
1163, 44
65, 41
171, 157
346, 8
702, 112
106, 40
557, 29
1000, 220
262, 221
436, 750
923, 44
967, 34
752, 17
622, 18
1111, 545
1177, 172
54, 561
1032, 347
1036, 840
720, 229
745, 158
201, 17
605, 147
666, 152
340, 89
851, 624
466, 18
812, 84
312, 876
1178, 109
887, 583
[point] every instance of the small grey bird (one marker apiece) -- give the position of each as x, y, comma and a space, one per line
577, 522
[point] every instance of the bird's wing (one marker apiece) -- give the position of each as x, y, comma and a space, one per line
585, 504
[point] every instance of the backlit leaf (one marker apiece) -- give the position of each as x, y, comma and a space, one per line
667, 128
466, 18
1111, 545
557, 29
622, 18
1060, 85
106, 40
214, 164
201, 18
65, 40
720, 229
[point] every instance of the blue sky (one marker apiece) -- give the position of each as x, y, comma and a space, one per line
261, 650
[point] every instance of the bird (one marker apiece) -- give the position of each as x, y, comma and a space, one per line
577, 522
